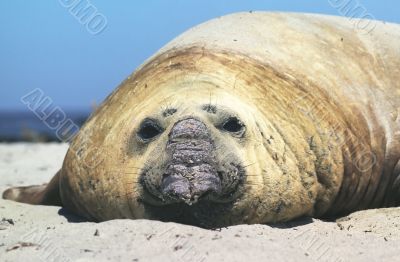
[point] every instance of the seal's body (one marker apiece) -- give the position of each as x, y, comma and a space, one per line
248, 118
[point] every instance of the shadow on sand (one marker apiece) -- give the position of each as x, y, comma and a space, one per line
71, 217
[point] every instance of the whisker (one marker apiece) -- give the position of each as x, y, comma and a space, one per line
132, 182
135, 167
179, 105
121, 170
218, 147
118, 172
253, 139
169, 105
251, 184
249, 165
164, 105
209, 101
226, 156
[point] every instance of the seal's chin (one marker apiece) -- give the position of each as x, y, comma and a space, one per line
197, 201
204, 213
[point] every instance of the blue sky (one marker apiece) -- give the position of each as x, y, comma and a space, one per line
42, 45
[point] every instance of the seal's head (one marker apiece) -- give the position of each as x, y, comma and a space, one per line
193, 172
191, 168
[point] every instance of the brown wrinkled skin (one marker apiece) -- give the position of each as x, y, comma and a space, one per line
319, 100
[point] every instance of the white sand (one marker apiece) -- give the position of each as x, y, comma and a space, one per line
40, 233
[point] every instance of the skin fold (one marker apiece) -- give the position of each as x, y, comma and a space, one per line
248, 118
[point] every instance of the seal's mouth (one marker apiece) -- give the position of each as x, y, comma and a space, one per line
202, 202
219, 187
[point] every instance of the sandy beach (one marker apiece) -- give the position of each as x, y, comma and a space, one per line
45, 233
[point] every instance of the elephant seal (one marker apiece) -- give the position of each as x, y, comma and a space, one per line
248, 118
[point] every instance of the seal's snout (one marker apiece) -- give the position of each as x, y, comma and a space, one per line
191, 173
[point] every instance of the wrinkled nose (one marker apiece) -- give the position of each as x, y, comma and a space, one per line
190, 143
191, 173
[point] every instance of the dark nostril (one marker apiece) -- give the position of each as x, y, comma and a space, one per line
220, 175
202, 195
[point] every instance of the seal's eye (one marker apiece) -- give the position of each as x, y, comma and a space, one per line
233, 125
149, 129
